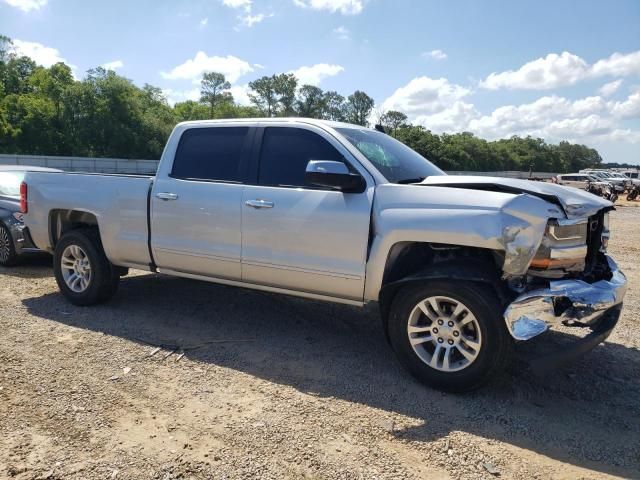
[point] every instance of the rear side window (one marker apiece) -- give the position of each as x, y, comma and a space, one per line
211, 154
286, 152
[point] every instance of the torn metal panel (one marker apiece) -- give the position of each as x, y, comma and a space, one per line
534, 312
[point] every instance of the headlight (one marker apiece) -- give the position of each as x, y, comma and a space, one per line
564, 246
19, 216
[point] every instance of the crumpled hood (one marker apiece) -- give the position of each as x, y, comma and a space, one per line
575, 203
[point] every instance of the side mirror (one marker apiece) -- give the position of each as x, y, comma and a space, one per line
335, 175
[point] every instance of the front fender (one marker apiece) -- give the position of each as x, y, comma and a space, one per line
513, 224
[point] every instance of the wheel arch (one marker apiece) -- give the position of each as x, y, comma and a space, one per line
414, 262
62, 221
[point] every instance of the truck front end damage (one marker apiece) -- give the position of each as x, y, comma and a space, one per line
555, 265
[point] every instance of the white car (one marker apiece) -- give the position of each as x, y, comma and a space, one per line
580, 180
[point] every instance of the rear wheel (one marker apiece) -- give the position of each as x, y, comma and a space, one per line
450, 335
8, 255
83, 273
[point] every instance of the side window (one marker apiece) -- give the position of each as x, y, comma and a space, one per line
210, 154
286, 152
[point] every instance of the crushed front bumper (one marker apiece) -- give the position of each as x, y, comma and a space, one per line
566, 302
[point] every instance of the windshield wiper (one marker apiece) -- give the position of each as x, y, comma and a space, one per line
405, 181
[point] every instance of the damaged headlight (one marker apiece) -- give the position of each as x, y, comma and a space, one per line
563, 247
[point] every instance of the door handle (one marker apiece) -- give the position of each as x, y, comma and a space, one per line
259, 204
167, 196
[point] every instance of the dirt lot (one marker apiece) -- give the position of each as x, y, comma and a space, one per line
277, 387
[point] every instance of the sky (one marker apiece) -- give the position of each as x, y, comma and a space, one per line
557, 69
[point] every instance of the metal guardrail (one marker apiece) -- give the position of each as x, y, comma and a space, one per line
84, 164
149, 167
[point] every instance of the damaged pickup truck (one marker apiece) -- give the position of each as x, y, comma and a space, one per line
463, 268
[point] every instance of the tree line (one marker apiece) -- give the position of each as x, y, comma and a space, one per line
46, 111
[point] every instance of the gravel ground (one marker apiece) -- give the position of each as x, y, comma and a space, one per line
278, 387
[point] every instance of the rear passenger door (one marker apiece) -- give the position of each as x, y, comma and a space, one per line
196, 204
296, 236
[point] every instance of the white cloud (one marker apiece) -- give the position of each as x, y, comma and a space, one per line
241, 94
425, 96
435, 54
232, 67
610, 88
342, 33
549, 72
314, 74
630, 108
561, 70
442, 106
618, 64
42, 55
345, 7
204, 21
245, 4
249, 20
116, 64
27, 5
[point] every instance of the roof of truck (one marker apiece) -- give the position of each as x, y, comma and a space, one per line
309, 121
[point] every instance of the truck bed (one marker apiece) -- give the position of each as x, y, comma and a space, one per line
119, 203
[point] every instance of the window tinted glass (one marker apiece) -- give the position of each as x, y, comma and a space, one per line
286, 153
210, 153
10, 183
393, 159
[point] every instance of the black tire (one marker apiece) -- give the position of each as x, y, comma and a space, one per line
8, 255
495, 346
632, 195
613, 198
104, 276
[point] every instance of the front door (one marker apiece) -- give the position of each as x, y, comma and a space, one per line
196, 208
298, 237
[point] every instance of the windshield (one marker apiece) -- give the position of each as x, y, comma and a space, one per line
393, 159
10, 183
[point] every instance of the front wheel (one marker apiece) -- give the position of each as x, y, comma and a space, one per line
632, 195
83, 273
450, 335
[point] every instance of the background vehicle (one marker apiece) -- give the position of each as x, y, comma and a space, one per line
13, 240
619, 182
581, 180
633, 193
461, 266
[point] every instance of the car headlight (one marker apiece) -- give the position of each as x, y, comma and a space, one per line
564, 246
19, 216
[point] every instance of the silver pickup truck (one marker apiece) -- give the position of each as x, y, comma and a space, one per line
461, 267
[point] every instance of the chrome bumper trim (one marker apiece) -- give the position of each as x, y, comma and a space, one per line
533, 313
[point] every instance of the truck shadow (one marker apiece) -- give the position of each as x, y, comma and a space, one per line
585, 414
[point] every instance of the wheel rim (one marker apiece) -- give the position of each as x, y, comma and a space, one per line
76, 268
444, 333
5, 251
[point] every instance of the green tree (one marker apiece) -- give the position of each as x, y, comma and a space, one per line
214, 89
310, 102
334, 107
263, 95
392, 120
359, 107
